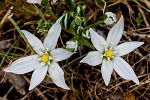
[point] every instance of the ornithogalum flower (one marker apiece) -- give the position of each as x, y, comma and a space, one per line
108, 53
72, 45
44, 60
111, 18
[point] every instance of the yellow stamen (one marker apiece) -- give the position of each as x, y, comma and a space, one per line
109, 53
45, 58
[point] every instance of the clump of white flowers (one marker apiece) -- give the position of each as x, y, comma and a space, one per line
44, 60
72, 45
108, 53
110, 18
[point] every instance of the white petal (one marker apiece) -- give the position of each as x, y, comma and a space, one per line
34, 42
93, 58
23, 65
127, 47
38, 76
59, 19
60, 54
34, 1
124, 69
116, 32
106, 70
52, 37
57, 76
97, 40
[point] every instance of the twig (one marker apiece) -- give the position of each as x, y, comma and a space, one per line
5, 18
37, 90
142, 36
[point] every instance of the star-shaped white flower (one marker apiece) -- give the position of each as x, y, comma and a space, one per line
45, 60
109, 53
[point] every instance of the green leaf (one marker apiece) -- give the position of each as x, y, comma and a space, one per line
66, 20
79, 10
139, 19
30, 23
70, 4
72, 26
85, 42
44, 2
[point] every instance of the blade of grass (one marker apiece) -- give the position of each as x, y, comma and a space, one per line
21, 34
2, 61
148, 10
41, 14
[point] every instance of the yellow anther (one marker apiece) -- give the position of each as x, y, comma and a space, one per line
109, 53
45, 58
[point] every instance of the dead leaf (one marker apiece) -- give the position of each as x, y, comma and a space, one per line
129, 96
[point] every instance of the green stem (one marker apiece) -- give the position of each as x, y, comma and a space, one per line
68, 31
16, 26
41, 14
21, 34
94, 25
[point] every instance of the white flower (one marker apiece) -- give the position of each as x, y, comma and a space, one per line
111, 18
72, 45
34, 1
108, 53
45, 60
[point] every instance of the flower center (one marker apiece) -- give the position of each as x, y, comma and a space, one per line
45, 58
109, 53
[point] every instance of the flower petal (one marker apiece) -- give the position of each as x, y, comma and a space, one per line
60, 54
23, 65
127, 47
57, 76
93, 58
34, 1
59, 19
97, 40
124, 69
34, 42
106, 70
116, 32
52, 37
38, 76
